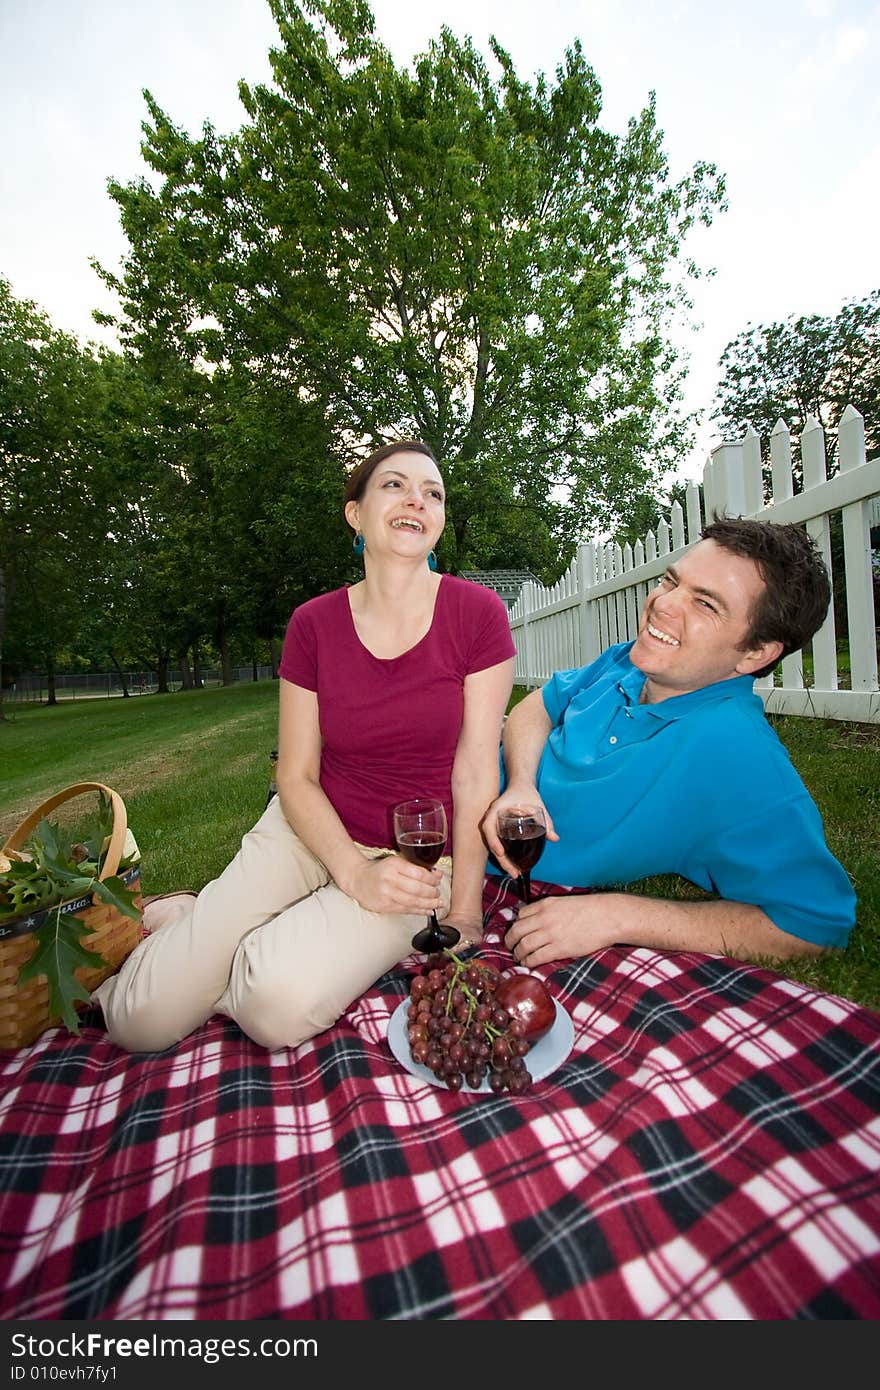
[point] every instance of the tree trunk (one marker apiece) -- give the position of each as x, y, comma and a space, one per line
225, 659
51, 697
186, 679
274, 655
123, 678
162, 670
197, 667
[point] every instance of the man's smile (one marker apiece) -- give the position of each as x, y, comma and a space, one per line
662, 636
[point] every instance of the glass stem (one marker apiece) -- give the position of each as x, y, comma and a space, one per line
526, 888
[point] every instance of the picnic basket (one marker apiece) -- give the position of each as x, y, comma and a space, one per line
24, 1008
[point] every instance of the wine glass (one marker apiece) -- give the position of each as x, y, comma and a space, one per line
420, 836
522, 831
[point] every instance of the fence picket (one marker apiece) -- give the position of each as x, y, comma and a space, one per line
692, 503
857, 559
677, 526
819, 527
753, 479
780, 462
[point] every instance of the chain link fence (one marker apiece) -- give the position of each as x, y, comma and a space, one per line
98, 685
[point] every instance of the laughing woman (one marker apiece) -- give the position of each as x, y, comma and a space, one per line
392, 688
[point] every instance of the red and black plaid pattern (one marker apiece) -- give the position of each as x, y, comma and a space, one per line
710, 1149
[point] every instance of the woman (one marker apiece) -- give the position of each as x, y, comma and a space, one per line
392, 688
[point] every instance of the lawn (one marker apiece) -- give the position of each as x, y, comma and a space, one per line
193, 770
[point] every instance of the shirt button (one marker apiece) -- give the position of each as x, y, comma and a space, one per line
613, 738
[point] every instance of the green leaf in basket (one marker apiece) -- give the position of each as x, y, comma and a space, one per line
100, 831
114, 891
75, 878
59, 953
48, 844
25, 887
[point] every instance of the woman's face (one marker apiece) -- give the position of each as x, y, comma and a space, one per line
403, 509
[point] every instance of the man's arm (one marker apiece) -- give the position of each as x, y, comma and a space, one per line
525, 734
564, 928
474, 783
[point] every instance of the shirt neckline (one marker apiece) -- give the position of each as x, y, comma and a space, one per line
390, 660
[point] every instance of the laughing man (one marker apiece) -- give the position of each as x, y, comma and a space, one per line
658, 759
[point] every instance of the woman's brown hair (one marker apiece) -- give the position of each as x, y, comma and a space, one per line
356, 485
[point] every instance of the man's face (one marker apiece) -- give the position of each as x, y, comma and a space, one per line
694, 623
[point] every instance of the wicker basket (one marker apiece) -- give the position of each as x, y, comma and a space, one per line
24, 1009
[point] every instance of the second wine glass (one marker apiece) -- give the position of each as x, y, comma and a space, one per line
522, 831
420, 836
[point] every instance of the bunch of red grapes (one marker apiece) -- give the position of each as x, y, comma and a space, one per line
459, 1030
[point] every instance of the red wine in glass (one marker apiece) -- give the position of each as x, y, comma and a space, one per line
522, 831
420, 836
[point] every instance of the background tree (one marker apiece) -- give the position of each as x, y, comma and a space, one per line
54, 481
811, 365
806, 366
437, 252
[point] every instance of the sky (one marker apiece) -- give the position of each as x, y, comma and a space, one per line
783, 96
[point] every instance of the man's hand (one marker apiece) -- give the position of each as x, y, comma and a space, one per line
521, 794
561, 928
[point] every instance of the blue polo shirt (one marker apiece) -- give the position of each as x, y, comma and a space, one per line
697, 785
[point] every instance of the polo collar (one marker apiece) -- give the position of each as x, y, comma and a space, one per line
632, 683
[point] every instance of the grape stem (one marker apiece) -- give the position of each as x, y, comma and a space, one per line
473, 1001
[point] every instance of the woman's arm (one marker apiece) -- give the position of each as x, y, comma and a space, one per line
475, 781
379, 885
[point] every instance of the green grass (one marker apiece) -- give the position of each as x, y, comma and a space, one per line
193, 770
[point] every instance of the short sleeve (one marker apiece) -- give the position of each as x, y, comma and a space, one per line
492, 640
299, 654
779, 861
562, 686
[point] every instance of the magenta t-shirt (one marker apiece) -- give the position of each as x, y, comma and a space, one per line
389, 729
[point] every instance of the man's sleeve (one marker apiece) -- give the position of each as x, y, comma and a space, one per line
779, 861
562, 686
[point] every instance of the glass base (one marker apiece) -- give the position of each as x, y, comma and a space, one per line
435, 937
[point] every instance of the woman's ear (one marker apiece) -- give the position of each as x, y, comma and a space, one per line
351, 513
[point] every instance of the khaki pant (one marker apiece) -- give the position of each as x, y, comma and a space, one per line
273, 943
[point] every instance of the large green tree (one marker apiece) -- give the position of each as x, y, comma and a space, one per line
442, 252
807, 365
54, 481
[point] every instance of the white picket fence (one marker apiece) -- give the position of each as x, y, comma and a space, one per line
598, 600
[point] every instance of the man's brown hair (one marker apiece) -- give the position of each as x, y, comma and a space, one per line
797, 590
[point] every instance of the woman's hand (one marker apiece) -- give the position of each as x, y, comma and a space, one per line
391, 884
469, 928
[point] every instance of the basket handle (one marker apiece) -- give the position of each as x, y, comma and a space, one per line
117, 836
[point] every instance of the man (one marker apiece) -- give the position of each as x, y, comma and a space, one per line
657, 759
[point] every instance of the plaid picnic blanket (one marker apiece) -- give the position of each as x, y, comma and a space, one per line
710, 1149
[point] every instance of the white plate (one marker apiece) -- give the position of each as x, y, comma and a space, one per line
542, 1059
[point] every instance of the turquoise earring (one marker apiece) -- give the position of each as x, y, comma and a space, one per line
432, 561
358, 545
